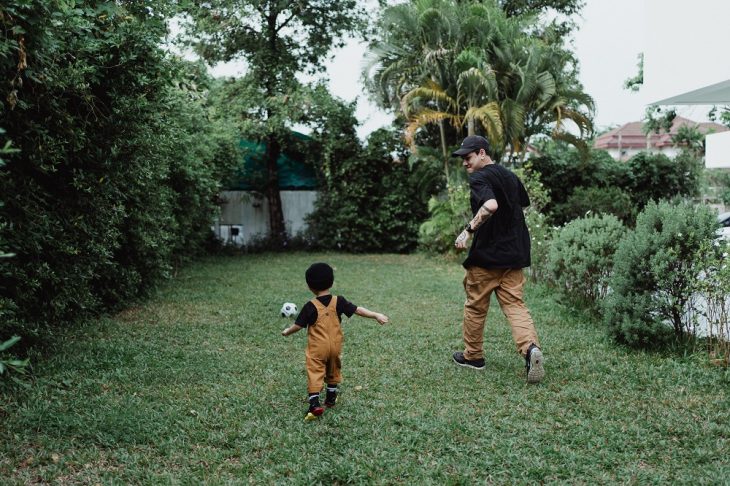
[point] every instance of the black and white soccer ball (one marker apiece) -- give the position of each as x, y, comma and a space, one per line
288, 309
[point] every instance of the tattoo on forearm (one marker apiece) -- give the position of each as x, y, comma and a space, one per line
482, 215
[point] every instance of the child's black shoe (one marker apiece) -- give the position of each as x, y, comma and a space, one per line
331, 399
315, 409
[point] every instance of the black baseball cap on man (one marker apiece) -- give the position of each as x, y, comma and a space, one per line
472, 143
319, 276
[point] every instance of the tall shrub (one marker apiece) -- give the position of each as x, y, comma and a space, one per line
656, 177
116, 175
595, 200
581, 256
369, 202
655, 266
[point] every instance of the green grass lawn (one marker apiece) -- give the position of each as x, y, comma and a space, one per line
198, 386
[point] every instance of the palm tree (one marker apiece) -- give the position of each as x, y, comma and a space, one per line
457, 65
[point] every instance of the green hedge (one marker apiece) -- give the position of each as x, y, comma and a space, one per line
118, 162
368, 202
581, 257
655, 267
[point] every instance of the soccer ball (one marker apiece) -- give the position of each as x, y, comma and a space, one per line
288, 309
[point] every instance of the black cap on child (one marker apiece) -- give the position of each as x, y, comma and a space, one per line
319, 276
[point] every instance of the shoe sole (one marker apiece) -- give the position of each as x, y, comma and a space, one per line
537, 371
467, 365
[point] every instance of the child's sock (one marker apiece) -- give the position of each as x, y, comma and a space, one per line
331, 398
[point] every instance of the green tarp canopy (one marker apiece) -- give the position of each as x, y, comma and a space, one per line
294, 174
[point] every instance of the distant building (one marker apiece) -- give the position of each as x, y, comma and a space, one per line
628, 140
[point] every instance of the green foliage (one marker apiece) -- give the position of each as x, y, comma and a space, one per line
118, 163
469, 67
596, 200
581, 257
368, 202
654, 269
448, 214
717, 185
658, 119
541, 238
656, 177
563, 169
714, 287
11, 367
600, 184
635, 83
723, 117
279, 41
539, 194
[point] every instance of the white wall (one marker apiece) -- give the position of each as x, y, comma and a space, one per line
717, 150
250, 214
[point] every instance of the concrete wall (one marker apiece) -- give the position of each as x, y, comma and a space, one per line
249, 213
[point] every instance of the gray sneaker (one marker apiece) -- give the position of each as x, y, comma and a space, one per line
477, 364
533, 364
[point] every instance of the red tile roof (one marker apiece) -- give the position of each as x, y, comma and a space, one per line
631, 136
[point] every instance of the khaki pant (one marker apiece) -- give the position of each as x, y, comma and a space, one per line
508, 285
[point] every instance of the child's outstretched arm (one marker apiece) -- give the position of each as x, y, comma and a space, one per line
381, 318
291, 330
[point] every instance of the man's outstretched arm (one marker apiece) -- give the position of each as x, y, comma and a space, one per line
484, 213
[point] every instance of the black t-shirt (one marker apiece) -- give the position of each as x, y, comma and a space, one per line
503, 241
308, 315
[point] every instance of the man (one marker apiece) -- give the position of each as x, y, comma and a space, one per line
499, 251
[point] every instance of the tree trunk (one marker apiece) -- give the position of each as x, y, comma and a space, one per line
471, 127
277, 230
442, 132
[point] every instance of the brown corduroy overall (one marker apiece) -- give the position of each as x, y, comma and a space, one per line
324, 345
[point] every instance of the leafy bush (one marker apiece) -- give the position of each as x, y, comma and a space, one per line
10, 367
541, 237
539, 194
656, 177
368, 203
581, 256
714, 287
118, 160
654, 269
598, 183
562, 170
595, 200
448, 214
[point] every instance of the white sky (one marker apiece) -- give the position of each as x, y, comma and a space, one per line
609, 38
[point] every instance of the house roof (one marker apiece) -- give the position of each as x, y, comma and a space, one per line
631, 135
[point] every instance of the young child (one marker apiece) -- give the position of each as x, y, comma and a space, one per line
322, 316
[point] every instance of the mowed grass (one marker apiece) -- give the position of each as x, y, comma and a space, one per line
198, 386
